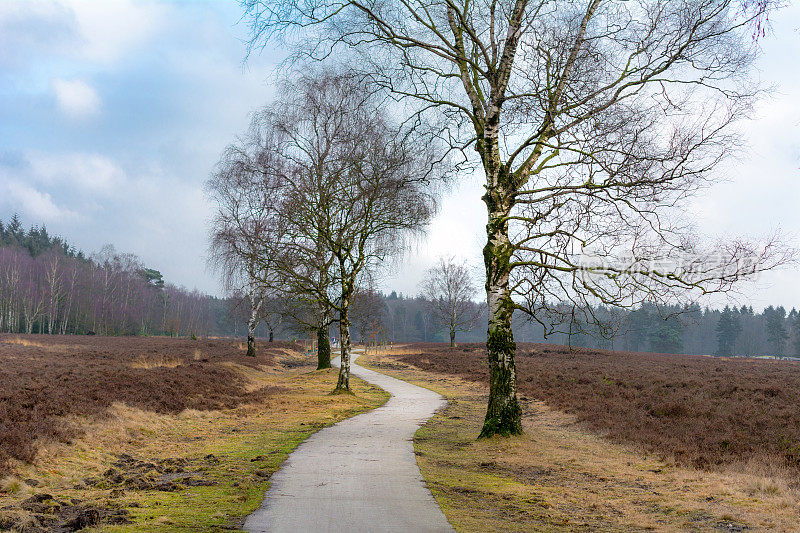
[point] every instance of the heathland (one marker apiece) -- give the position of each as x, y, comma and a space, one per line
152, 433
614, 441
162, 434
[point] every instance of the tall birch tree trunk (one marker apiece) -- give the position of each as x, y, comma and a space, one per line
344, 370
251, 336
323, 332
252, 322
344, 337
503, 415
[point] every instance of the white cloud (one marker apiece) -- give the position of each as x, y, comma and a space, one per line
88, 172
32, 31
76, 98
97, 32
111, 29
38, 205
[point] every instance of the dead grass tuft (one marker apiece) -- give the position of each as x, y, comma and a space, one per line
23, 342
150, 362
27, 341
13, 485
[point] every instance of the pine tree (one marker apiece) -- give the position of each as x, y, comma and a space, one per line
666, 337
795, 325
728, 329
775, 318
15, 233
639, 322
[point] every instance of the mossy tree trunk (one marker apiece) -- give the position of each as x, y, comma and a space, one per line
323, 347
503, 414
251, 344
344, 336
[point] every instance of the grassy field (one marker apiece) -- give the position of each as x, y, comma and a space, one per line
564, 475
184, 452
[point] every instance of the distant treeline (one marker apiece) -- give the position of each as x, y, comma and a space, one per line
46, 286
687, 330
701, 331
36, 240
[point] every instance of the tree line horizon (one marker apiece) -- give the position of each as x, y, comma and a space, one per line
390, 316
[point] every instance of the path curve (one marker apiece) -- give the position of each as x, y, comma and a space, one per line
359, 474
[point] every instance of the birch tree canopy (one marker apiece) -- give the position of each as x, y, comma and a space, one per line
355, 186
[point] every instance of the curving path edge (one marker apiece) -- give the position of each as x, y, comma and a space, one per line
359, 474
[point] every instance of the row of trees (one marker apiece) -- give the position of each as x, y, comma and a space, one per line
322, 187
59, 291
692, 330
592, 122
740, 332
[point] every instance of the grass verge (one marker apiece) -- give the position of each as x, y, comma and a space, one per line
559, 476
194, 471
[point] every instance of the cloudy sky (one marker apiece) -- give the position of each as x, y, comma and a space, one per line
112, 115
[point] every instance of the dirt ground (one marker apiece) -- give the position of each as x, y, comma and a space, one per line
563, 476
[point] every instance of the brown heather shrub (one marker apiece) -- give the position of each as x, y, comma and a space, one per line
46, 378
702, 411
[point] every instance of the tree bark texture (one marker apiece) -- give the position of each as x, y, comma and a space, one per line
503, 415
323, 348
251, 327
344, 340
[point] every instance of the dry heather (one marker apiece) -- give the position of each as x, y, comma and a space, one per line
138, 471
702, 411
44, 381
559, 476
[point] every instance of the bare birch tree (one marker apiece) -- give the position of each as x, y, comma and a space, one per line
243, 186
356, 189
367, 312
592, 121
448, 290
273, 311
303, 133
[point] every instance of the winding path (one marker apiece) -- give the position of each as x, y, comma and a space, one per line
358, 475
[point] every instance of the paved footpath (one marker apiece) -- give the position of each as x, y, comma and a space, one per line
358, 475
